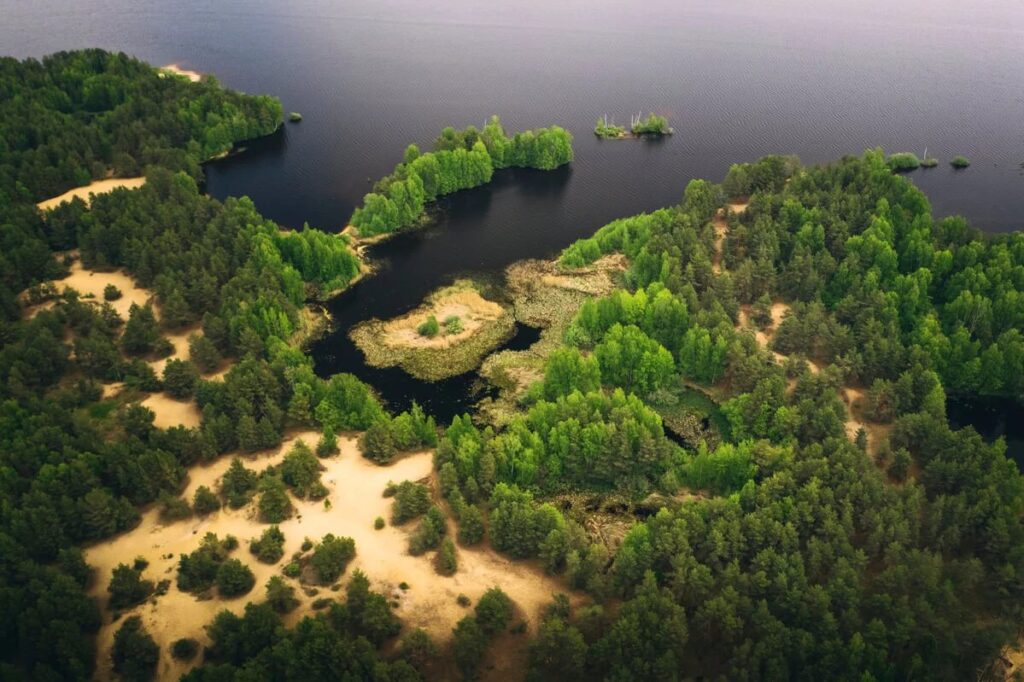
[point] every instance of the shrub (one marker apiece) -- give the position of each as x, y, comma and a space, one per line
331, 556
127, 588
452, 325
204, 353
135, 654
411, 500
378, 443
300, 471
469, 645
429, 533
269, 548
292, 570
429, 327
238, 484
185, 649
328, 444
274, 505
463, 600
378, 522
180, 378
234, 578
901, 162
471, 525
281, 595
493, 611
111, 293
198, 571
205, 501
173, 508
960, 162
418, 649
447, 561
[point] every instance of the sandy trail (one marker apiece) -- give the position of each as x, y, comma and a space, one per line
95, 187
721, 226
355, 486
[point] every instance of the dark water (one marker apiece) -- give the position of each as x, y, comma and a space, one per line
738, 79
993, 418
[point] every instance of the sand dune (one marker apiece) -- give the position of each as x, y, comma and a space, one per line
355, 486
95, 187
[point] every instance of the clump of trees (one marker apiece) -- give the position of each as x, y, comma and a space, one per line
330, 557
461, 159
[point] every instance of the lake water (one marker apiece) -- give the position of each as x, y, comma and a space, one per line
738, 78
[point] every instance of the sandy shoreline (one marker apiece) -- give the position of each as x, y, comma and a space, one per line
94, 187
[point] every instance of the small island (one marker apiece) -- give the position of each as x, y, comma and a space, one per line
652, 126
446, 336
295, 117
960, 162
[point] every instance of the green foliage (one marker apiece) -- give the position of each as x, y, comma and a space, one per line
725, 470
280, 595
328, 444
447, 561
429, 532
652, 125
632, 360
300, 471
388, 436
960, 162
269, 547
469, 644
274, 505
330, 557
205, 501
141, 332
558, 652
411, 500
204, 353
198, 571
185, 649
111, 293
608, 130
238, 485
418, 649
471, 525
493, 611
452, 325
134, 653
127, 588
180, 378
902, 162
378, 523
461, 160
234, 578
429, 327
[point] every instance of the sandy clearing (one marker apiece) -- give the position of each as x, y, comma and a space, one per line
170, 412
95, 187
90, 283
177, 70
355, 486
473, 310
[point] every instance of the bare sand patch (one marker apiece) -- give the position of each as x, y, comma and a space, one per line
95, 187
177, 70
170, 412
355, 491
461, 301
90, 284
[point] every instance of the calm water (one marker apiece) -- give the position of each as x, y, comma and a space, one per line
738, 79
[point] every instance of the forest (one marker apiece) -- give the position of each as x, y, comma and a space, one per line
787, 548
806, 556
461, 159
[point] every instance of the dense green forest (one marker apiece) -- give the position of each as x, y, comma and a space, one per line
785, 550
75, 466
810, 556
461, 159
